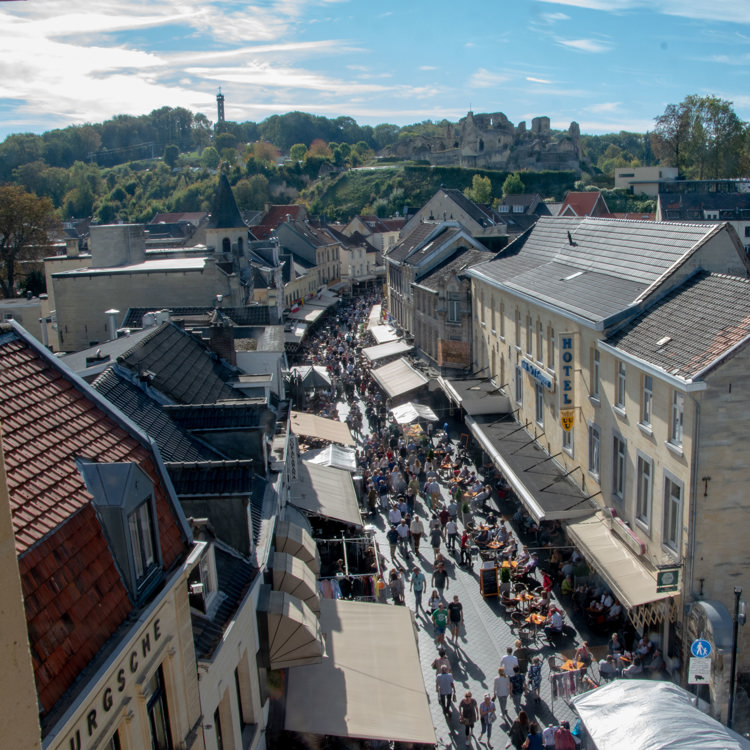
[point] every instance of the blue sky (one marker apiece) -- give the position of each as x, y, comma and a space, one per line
609, 65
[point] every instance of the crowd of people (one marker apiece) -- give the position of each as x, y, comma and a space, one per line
427, 492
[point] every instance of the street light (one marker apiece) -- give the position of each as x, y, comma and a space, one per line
739, 619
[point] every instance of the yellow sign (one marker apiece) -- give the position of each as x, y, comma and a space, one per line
567, 418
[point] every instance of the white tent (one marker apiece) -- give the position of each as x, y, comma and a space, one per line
651, 715
411, 412
333, 455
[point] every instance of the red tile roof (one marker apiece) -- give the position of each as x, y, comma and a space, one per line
75, 597
275, 217
584, 204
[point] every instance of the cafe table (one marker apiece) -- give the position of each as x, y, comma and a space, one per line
572, 666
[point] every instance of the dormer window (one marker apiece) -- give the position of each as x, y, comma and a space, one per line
203, 584
123, 495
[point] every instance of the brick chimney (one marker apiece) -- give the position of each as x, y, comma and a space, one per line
221, 338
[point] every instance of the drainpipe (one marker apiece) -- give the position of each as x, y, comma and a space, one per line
690, 561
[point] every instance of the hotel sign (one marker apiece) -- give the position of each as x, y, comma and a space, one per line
567, 373
567, 419
540, 375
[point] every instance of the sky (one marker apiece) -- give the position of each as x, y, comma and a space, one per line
609, 65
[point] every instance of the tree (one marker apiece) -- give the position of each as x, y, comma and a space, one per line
298, 152
252, 193
25, 222
171, 154
480, 190
513, 184
210, 158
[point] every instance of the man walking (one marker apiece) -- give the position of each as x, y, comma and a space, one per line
446, 689
451, 529
417, 584
456, 617
403, 537
417, 529
440, 580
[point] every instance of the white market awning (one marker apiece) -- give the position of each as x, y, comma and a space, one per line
651, 715
333, 455
313, 426
292, 576
325, 492
391, 349
398, 378
411, 412
384, 334
630, 581
376, 697
312, 376
375, 314
293, 538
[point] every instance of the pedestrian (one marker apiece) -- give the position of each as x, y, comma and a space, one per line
502, 690
396, 585
403, 537
443, 515
487, 716
468, 715
440, 621
465, 549
509, 661
417, 529
534, 739
434, 492
380, 589
548, 736
455, 616
433, 601
440, 661
564, 739
535, 677
519, 730
440, 580
446, 689
435, 540
451, 529
392, 537
417, 584
517, 685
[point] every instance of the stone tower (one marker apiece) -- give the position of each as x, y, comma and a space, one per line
220, 107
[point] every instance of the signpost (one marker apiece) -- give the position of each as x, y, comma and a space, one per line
699, 671
700, 648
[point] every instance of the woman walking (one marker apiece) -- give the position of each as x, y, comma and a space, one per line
535, 677
519, 730
487, 717
468, 714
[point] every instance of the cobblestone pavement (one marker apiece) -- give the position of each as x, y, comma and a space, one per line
475, 658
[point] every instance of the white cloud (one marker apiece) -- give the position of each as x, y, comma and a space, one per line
730, 11
585, 45
427, 67
484, 78
551, 18
537, 80
604, 107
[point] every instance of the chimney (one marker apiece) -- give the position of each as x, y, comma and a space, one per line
71, 247
112, 323
221, 338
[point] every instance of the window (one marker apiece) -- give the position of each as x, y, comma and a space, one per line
620, 386
493, 316
141, 531
747, 231
518, 328
672, 513
647, 399
529, 334
595, 373
519, 385
595, 440
454, 310
481, 308
502, 320
567, 441
114, 742
678, 409
539, 342
551, 348
643, 490
217, 730
158, 713
618, 467
539, 403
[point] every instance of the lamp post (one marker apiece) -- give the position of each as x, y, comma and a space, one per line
739, 618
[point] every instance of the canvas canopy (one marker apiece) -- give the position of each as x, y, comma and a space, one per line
373, 699
411, 412
332, 455
313, 376
391, 349
398, 378
292, 576
629, 580
325, 492
651, 715
383, 334
310, 425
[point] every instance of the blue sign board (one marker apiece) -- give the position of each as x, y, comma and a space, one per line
700, 648
538, 374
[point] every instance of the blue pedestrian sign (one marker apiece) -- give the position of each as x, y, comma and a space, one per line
700, 648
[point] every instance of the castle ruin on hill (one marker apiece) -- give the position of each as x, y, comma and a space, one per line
491, 141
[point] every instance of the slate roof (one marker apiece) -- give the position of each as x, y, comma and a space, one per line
224, 211
417, 237
610, 264
234, 577
482, 215
531, 202
74, 596
194, 217
182, 367
703, 319
101, 355
691, 206
456, 264
175, 443
237, 415
211, 478
250, 315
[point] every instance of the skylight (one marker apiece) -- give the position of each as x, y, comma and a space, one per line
573, 275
